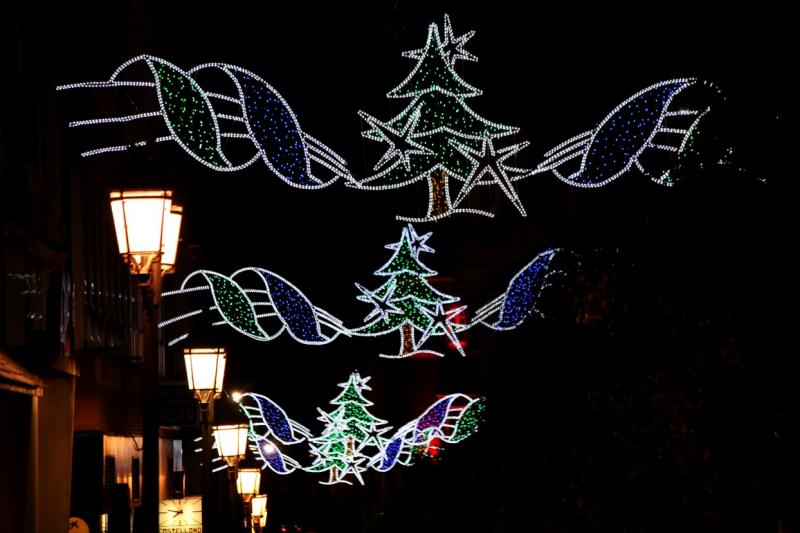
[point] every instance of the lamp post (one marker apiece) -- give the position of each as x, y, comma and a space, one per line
259, 511
147, 227
232, 447
248, 484
205, 371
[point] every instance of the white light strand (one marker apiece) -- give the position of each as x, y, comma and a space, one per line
180, 317
113, 120
178, 339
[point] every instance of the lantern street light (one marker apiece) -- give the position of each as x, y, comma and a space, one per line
259, 511
231, 443
205, 371
147, 226
248, 484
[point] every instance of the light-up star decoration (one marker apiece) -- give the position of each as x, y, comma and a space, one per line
353, 441
401, 143
489, 169
198, 119
441, 323
383, 306
639, 133
452, 47
262, 305
417, 242
435, 137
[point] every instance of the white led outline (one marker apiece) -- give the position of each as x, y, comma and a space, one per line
498, 166
580, 142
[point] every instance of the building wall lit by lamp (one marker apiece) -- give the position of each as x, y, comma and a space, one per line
205, 371
147, 225
248, 483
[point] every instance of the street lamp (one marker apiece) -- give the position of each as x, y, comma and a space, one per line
259, 511
248, 484
147, 225
231, 443
205, 371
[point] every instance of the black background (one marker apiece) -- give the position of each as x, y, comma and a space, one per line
657, 394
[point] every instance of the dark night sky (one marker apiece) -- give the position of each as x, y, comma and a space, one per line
666, 405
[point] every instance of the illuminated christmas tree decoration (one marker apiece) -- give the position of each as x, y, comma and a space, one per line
636, 126
263, 305
406, 301
190, 113
353, 440
438, 137
351, 433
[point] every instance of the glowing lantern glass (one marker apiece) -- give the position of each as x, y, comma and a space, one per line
205, 370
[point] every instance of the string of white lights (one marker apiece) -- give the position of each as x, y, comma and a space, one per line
178, 339
113, 120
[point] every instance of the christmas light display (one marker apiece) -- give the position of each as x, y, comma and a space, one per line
353, 440
351, 433
519, 300
406, 301
268, 419
640, 124
278, 299
192, 117
438, 137
263, 305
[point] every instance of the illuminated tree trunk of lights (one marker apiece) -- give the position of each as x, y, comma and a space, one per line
407, 336
438, 194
